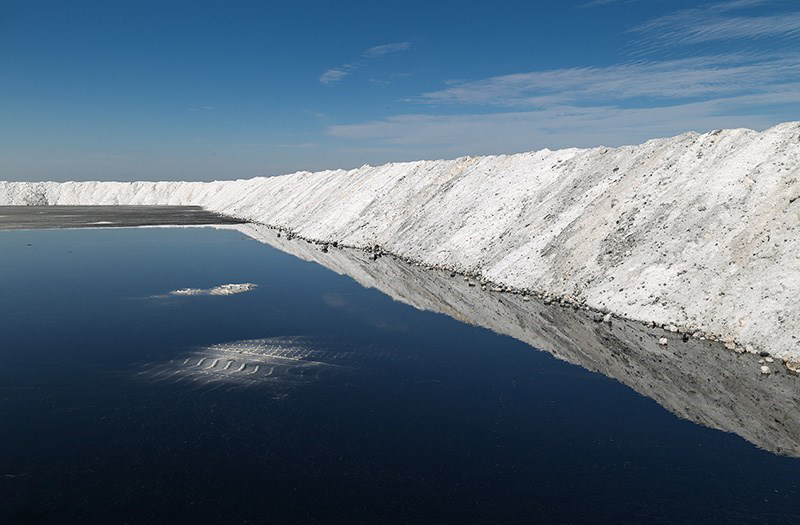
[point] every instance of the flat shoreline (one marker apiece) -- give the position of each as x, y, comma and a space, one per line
62, 217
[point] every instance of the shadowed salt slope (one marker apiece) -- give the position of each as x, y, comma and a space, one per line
702, 231
697, 380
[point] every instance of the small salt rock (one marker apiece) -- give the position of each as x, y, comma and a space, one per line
607, 318
663, 341
749, 349
673, 328
730, 346
765, 370
769, 360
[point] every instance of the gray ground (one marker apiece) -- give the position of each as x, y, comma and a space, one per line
37, 217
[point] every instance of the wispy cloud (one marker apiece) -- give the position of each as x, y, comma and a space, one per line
207, 109
600, 3
721, 21
385, 49
628, 102
562, 126
672, 79
600, 105
314, 113
337, 74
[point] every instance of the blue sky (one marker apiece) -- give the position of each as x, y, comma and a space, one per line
202, 90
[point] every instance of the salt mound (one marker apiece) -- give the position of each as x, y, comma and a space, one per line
697, 231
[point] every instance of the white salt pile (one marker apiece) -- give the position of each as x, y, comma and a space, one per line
701, 232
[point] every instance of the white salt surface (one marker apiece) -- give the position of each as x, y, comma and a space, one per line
701, 231
223, 289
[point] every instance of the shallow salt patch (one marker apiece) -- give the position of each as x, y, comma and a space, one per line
223, 289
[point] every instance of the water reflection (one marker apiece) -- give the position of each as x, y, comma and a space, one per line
697, 380
278, 362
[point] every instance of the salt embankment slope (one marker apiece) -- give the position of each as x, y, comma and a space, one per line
698, 230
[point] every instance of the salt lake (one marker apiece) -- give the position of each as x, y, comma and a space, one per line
306, 397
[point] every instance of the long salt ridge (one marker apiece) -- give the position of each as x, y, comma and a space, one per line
698, 231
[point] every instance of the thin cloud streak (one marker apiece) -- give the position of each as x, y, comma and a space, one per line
562, 126
715, 22
385, 49
624, 103
337, 74
603, 3
588, 106
673, 79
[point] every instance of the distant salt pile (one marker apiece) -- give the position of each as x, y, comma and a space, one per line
698, 231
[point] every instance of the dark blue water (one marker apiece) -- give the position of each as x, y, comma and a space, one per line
424, 419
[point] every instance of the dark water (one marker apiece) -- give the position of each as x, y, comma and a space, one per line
363, 410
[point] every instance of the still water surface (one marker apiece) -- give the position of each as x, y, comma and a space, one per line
362, 410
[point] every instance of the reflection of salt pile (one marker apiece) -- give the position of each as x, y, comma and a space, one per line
696, 231
697, 380
225, 289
